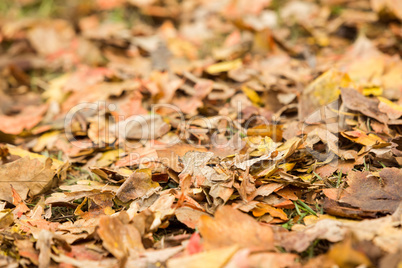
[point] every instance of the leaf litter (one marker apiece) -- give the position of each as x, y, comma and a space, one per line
200, 134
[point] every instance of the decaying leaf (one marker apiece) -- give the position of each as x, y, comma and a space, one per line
213, 258
139, 184
353, 100
244, 232
25, 120
119, 237
323, 90
189, 216
28, 177
301, 240
43, 245
371, 193
200, 134
143, 127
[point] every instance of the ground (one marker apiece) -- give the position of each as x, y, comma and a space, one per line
200, 133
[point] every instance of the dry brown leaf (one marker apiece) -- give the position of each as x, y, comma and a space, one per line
393, 110
153, 257
244, 230
139, 184
274, 260
262, 209
344, 255
142, 127
139, 156
26, 119
189, 216
195, 164
215, 258
6, 218
79, 229
143, 221
119, 237
163, 209
392, 6
383, 232
299, 241
43, 245
374, 194
29, 177
20, 207
355, 101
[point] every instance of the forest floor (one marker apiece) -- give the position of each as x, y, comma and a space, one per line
200, 133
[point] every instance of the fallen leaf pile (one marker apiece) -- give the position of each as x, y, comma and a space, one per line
200, 133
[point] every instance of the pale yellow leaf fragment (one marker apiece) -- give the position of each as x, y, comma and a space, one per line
212, 259
224, 66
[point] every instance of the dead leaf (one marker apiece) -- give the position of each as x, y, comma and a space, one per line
43, 245
80, 229
394, 111
189, 216
244, 231
224, 66
6, 218
195, 165
323, 90
394, 7
301, 240
25, 120
360, 137
344, 255
262, 209
374, 194
29, 177
119, 237
20, 207
213, 258
139, 184
355, 101
142, 127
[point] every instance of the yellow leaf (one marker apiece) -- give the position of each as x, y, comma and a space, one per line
251, 94
265, 146
6, 218
125, 171
306, 177
311, 219
272, 131
287, 166
22, 153
326, 87
108, 211
108, 157
45, 139
212, 258
55, 91
360, 137
367, 71
224, 66
346, 256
